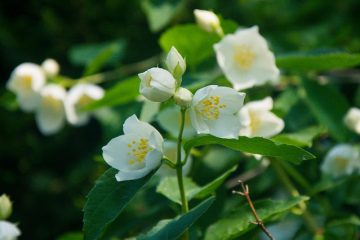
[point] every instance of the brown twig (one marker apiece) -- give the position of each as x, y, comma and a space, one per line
258, 221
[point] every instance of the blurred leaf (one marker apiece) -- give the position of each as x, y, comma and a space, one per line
256, 145
228, 26
108, 53
352, 220
317, 61
149, 110
192, 42
8, 101
328, 105
123, 92
160, 12
71, 236
106, 200
286, 100
173, 228
239, 222
169, 187
302, 138
325, 184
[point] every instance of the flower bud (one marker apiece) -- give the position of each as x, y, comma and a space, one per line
157, 84
175, 63
50, 67
352, 119
183, 97
208, 21
5, 206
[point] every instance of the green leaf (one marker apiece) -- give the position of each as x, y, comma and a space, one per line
124, 92
71, 236
159, 13
239, 222
107, 200
192, 42
84, 54
328, 106
318, 61
285, 102
256, 145
169, 187
302, 138
173, 228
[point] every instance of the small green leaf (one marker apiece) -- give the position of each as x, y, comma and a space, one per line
256, 145
328, 106
302, 138
160, 12
86, 53
173, 228
318, 61
239, 221
169, 187
107, 200
124, 92
196, 48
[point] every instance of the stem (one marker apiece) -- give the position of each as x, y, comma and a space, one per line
179, 174
309, 219
258, 221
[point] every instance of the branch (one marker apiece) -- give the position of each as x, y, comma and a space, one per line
258, 221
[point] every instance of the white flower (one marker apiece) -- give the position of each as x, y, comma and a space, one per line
77, 98
352, 119
137, 152
8, 231
257, 120
214, 111
170, 151
245, 59
208, 21
5, 206
26, 81
343, 159
50, 67
50, 113
175, 63
157, 84
170, 118
183, 97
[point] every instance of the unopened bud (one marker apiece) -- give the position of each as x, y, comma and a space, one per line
175, 63
50, 67
183, 97
5, 206
208, 21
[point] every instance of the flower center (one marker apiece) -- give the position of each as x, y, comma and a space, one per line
244, 57
255, 122
83, 101
51, 103
210, 107
138, 150
26, 82
147, 80
341, 163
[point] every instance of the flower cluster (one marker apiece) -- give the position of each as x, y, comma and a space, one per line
8, 230
36, 91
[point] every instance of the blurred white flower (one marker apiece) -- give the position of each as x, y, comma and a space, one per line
175, 63
50, 113
208, 21
51, 67
257, 120
26, 81
149, 110
352, 119
77, 98
157, 84
5, 206
214, 111
170, 151
245, 59
183, 97
342, 159
8, 231
137, 152
170, 118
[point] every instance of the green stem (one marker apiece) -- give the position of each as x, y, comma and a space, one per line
179, 173
309, 219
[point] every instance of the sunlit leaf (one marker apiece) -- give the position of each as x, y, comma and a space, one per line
302, 138
239, 221
256, 145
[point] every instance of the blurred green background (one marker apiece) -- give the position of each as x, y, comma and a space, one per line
49, 177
